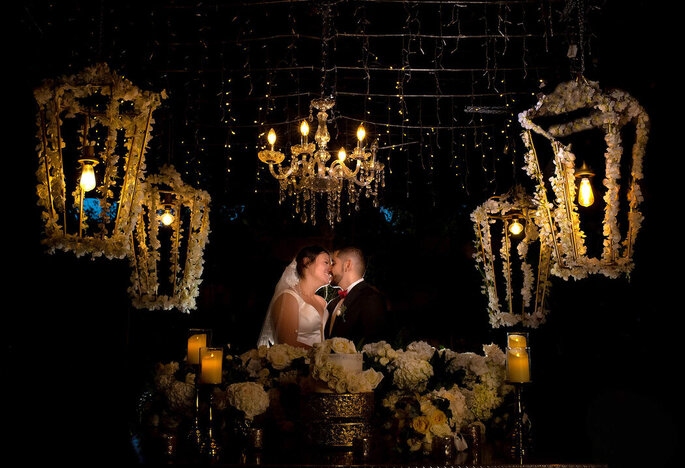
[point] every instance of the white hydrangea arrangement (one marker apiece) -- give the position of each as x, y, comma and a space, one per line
170, 398
437, 392
250, 398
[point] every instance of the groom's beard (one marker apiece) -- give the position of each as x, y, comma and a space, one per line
335, 280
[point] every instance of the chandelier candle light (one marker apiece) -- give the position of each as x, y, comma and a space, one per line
308, 176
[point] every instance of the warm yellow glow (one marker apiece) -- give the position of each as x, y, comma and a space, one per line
585, 195
304, 128
195, 343
87, 177
342, 154
361, 133
518, 365
210, 365
516, 227
271, 137
167, 218
517, 341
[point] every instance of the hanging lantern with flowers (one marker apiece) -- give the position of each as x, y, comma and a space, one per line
93, 131
170, 235
515, 211
559, 217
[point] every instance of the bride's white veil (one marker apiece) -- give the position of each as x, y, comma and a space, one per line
288, 279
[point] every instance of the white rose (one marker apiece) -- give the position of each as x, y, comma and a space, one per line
342, 346
278, 357
372, 377
248, 397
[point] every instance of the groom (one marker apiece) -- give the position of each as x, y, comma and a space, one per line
359, 312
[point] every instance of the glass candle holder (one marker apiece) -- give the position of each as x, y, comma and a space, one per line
518, 357
197, 338
517, 339
211, 365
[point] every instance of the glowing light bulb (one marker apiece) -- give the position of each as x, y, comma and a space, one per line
516, 227
87, 181
167, 217
585, 195
342, 154
361, 133
271, 137
304, 128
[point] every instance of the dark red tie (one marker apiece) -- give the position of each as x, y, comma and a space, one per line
342, 293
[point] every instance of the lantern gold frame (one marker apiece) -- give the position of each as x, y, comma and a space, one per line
559, 218
125, 113
516, 204
188, 238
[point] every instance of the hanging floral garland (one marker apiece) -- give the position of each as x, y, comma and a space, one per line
97, 100
185, 264
535, 289
559, 220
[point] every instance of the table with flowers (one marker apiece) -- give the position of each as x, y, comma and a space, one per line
288, 406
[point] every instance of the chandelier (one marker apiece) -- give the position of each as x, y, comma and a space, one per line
307, 177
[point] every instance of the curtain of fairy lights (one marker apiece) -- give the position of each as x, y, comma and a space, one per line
438, 82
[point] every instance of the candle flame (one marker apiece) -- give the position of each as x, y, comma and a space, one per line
271, 137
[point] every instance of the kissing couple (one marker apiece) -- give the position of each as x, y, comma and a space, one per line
298, 316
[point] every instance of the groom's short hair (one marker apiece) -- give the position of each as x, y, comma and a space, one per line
355, 254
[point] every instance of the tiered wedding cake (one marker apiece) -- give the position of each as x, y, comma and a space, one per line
339, 406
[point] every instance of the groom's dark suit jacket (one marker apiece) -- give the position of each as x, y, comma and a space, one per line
364, 318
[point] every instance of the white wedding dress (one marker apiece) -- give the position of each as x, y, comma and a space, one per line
310, 323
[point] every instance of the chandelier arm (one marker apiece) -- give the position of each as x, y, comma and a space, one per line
281, 175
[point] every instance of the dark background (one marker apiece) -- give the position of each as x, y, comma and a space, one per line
605, 364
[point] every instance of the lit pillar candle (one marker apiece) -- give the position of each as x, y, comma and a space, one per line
195, 342
517, 341
211, 360
518, 365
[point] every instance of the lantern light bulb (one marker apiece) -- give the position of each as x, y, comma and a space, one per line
516, 227
304, 128
342, 154
87, 181
271, 137
167, 217
585, 195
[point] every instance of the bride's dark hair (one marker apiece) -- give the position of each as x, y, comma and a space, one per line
306, 256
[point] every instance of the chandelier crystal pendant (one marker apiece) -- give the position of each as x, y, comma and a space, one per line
308, 176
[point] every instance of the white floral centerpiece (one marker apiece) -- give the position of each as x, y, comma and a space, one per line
249, 398
337, 364
437, 392
169, 401
280, 364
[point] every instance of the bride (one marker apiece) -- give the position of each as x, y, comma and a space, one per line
296, 314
